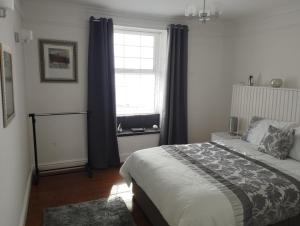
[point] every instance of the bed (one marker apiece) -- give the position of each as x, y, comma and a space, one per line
222, 183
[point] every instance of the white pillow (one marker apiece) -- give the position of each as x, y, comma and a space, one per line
260, 128
295, 151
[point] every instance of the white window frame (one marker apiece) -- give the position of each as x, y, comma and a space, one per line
157, 55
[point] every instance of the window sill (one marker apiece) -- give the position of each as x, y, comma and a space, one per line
127, 133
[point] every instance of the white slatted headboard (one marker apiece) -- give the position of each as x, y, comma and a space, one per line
273, 103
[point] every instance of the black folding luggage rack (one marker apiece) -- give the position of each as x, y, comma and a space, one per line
33, 116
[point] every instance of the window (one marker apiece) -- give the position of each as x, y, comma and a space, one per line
137, 69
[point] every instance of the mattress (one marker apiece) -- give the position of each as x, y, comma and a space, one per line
187, 195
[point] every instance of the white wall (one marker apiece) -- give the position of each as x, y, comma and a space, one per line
268, 47
209, 81
63, 138
129, 144
14, 156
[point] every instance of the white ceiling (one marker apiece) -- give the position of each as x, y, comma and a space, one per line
175, 8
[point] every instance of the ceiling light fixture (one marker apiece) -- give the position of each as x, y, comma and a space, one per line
203, 14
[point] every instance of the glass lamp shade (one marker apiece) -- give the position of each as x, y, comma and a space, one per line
205, 13
233, 125
204, 19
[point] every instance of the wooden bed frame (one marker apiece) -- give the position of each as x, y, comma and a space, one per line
156, 219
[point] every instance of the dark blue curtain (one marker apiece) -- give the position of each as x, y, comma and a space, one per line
174, 112
102, 138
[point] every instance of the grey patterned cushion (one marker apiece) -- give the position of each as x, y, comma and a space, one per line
277, 142
253, 122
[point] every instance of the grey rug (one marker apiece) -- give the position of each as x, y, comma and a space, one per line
101, 212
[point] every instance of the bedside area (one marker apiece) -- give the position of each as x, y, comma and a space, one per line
223, 136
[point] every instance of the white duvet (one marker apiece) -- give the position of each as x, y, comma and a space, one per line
183, 197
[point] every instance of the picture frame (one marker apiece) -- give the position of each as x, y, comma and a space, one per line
7, 85
58, 61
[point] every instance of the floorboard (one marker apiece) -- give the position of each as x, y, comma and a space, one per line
76, 187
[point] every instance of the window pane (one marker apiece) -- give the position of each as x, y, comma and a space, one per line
119, 50
132, 40
147, 64
132, 63
135, 90
118, 38
147, 52
135, 93
132, 51
119, 62
147, 40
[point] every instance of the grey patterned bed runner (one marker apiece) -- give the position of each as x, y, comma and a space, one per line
259, 194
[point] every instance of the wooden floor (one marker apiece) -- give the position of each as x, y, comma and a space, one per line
77, 187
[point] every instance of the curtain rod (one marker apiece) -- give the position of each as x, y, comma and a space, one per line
99, 18
60, 113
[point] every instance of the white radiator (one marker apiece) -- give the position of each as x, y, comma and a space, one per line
274, 103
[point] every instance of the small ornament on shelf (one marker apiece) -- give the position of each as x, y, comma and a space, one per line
250, 80
276, 82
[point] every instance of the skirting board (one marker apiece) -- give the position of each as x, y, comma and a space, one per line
62, 164
72, 163
23, 215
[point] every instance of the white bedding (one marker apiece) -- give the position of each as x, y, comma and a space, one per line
183, 197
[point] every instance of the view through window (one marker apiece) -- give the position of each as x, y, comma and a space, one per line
136, 71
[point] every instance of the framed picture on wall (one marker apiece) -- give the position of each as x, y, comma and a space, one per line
7, 86
58, 60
